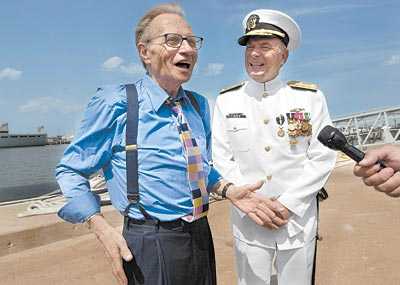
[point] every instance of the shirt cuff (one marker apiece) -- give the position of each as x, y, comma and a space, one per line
79, 209
213, 178
296, 206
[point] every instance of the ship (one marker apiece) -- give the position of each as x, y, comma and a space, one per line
21, 140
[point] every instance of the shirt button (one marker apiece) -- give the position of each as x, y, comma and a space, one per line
267, 148
266, 121
269, 177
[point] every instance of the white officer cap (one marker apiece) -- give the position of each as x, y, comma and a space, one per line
271, 23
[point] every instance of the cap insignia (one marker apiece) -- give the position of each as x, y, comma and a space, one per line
252, 22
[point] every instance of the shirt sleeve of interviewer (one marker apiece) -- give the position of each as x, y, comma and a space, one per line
88, 153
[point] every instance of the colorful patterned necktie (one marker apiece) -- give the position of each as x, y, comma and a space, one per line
195, 170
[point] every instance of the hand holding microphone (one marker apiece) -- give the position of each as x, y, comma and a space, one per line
378, 167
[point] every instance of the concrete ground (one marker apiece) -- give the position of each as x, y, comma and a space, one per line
360, 229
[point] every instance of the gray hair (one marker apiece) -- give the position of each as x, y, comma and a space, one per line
142, 30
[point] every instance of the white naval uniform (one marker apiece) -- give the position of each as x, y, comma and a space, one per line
247, 148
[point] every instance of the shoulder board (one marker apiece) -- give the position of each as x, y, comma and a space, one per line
231, 88
303, 85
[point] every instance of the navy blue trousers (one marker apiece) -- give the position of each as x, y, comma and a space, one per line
170, 253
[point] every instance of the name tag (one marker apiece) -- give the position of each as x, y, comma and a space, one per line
235, 115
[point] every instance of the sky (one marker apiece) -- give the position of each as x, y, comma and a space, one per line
54, 54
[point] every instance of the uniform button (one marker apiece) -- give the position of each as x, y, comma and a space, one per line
266, 121
267, 148
269, 177
265, 94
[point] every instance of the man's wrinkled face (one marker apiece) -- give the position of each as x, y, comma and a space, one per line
166, 64
264, 58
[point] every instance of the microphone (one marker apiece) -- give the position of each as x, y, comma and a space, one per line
332, 138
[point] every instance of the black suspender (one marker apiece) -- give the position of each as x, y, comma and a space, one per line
131, 148
132, 116
194, 102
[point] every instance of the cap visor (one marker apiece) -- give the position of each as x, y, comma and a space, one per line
243, 40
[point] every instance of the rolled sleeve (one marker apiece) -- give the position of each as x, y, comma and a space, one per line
80, 208
87, 154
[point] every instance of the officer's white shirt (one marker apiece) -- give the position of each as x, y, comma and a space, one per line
247, 148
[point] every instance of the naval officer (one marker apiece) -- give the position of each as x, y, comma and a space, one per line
267, 129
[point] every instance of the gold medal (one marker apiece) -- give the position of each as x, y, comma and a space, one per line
291, 129
280, 120
304, 127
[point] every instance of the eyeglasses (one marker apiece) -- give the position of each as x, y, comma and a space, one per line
175, 40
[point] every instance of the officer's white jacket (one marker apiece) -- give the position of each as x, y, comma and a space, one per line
247, 148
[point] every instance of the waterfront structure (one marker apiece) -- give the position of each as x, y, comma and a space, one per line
20, 140
60, 140
379, 126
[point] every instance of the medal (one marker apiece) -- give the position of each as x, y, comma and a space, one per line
280, 120
291, 129
298, 124
305, 127
265, 93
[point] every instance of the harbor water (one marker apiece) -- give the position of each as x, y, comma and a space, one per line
27, 172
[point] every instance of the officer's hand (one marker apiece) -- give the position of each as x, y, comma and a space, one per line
114, 245
258, 208
280, 210
267, 211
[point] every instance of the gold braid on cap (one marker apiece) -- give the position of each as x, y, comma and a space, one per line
264, 32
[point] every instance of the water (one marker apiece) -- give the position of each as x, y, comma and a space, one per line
28, 172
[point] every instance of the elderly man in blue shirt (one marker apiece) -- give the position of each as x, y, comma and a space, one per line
166, 237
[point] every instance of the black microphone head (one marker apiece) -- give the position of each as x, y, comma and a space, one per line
332, 138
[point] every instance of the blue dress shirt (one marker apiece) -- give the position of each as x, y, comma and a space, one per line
100, 144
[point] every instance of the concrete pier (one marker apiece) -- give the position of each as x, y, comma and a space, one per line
360, 230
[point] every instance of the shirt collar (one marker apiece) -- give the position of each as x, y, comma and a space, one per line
157, 95
269, 88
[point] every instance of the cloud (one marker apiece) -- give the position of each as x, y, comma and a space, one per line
10, 73
49, 104
132, 68
116, 64
113, 63
214, 69
393, 60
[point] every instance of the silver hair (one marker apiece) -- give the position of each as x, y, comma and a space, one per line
142, 31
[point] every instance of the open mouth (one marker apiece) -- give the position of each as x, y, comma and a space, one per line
183, 65
256, 64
